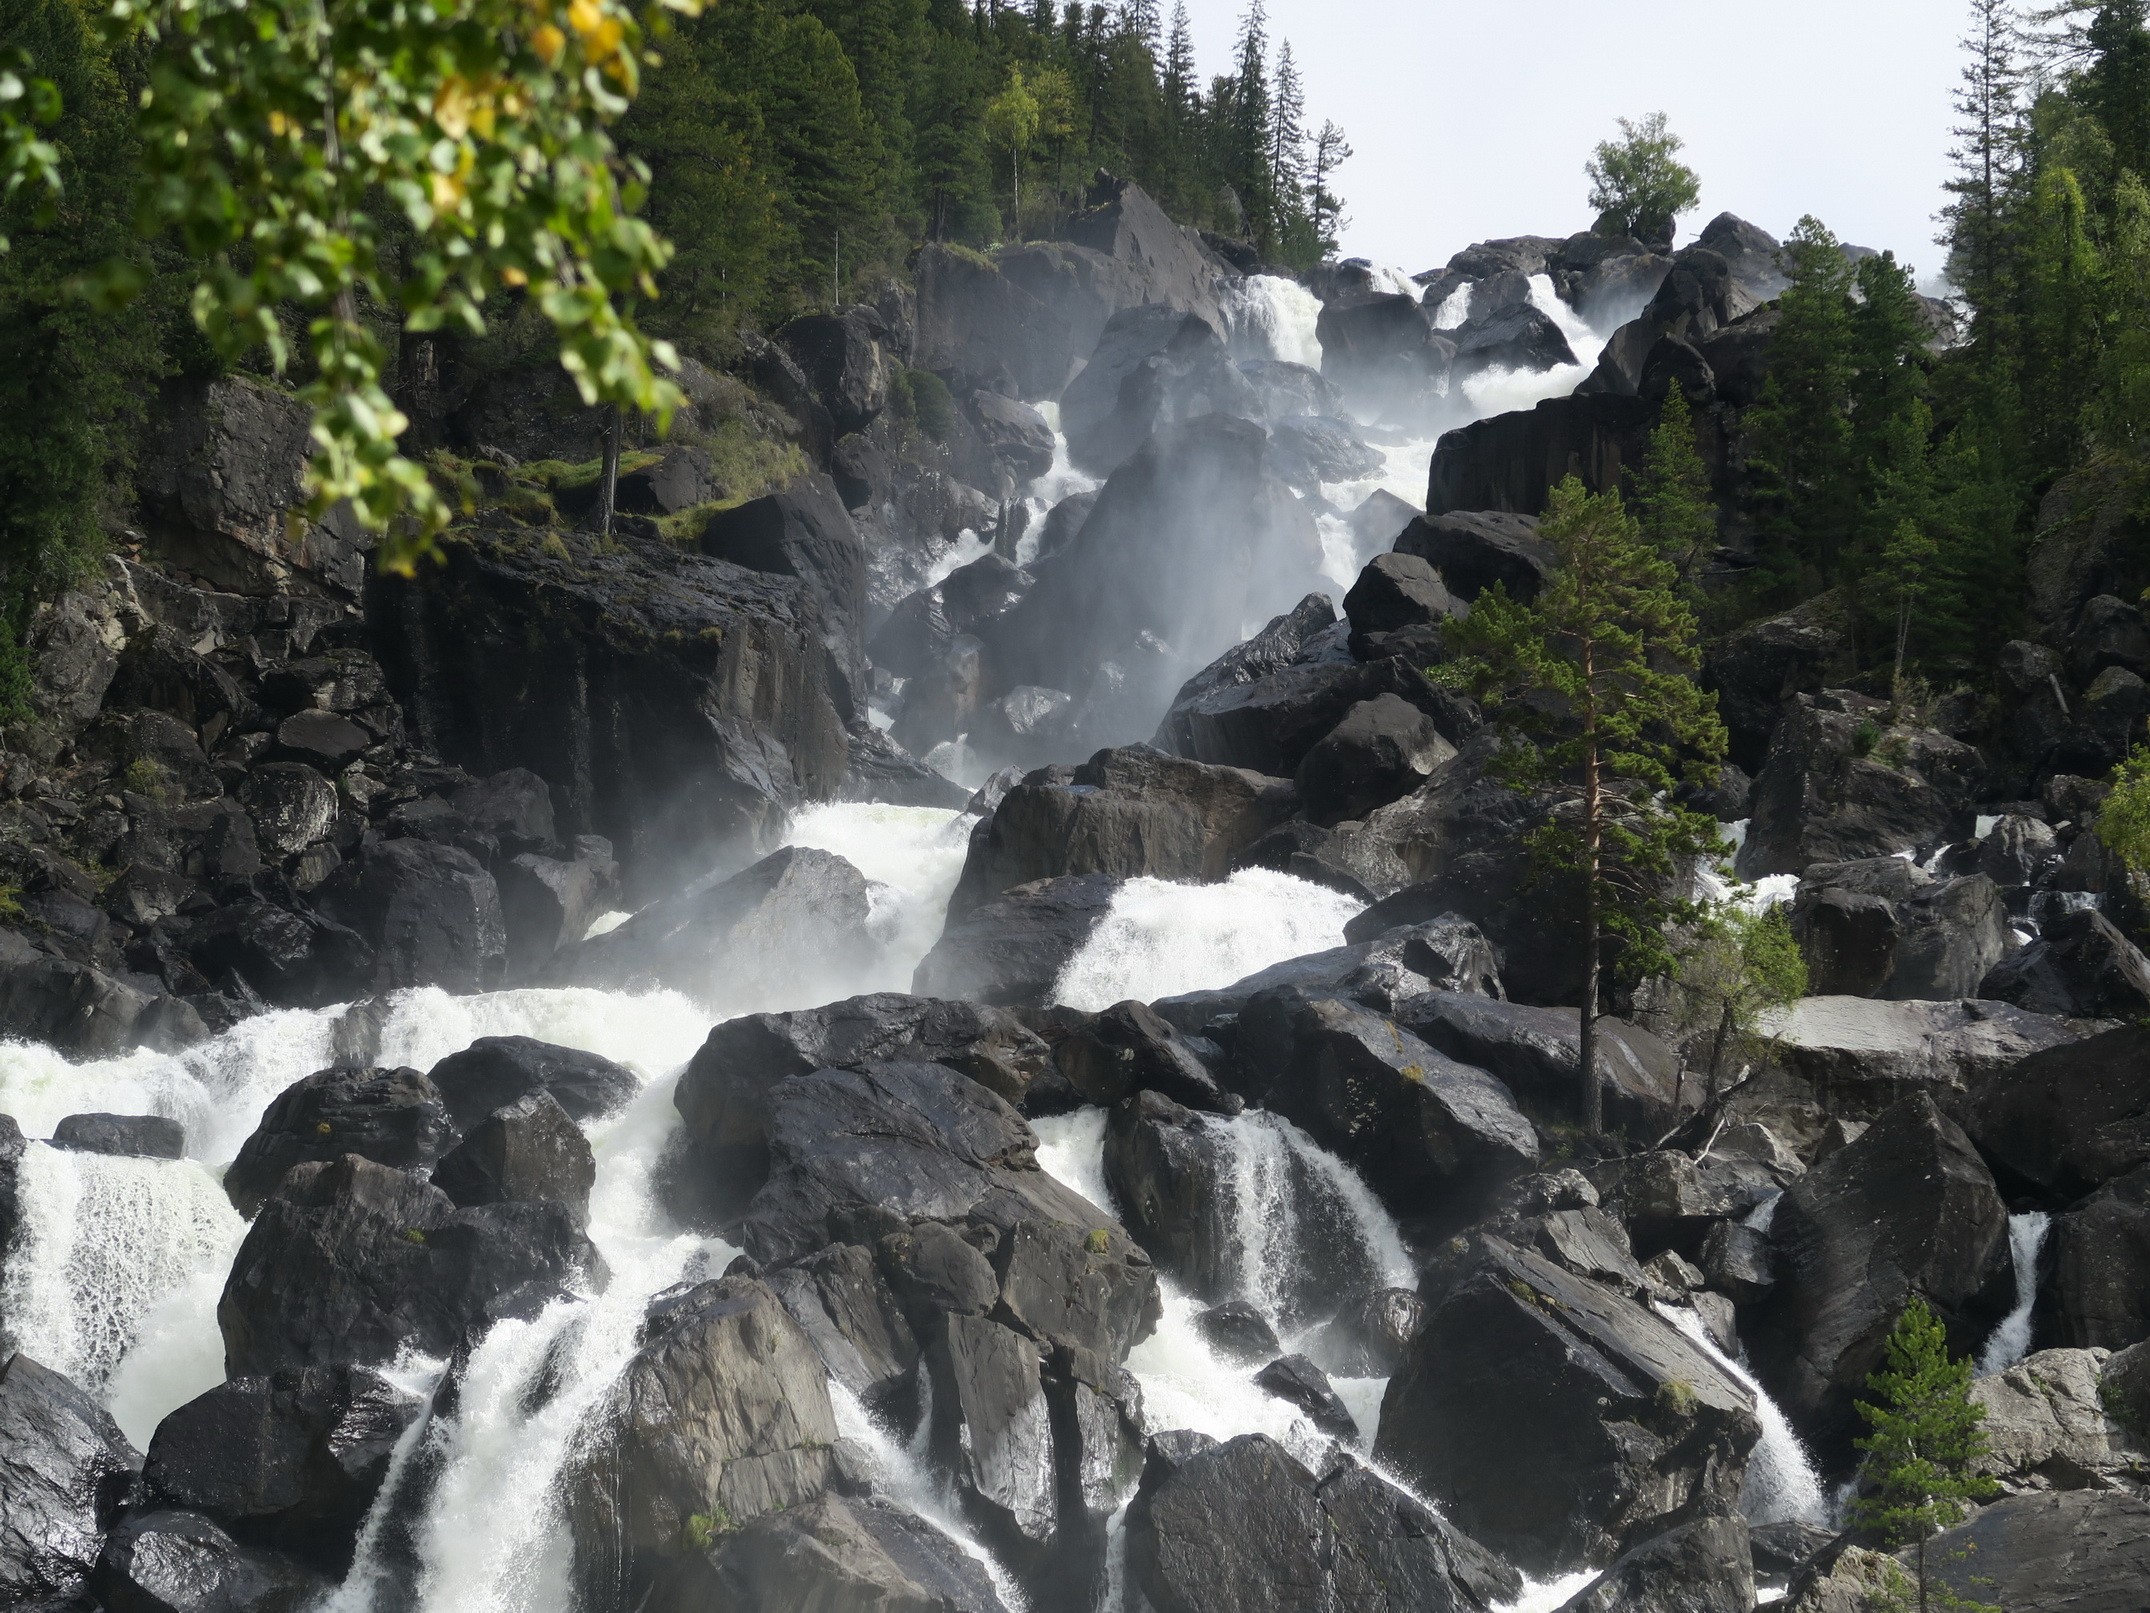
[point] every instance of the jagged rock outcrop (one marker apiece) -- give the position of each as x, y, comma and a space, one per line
65, 1472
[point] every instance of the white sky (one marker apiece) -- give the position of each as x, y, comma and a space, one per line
1473, 120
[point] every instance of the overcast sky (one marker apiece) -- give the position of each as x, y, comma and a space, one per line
1473, 120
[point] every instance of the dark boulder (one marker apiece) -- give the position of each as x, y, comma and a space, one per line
180, 1562
992, 1426
1386, 358
1556, 1420
1382, 973
805, 532
1171, 264
1859, 1055
514, 806
65, 1470
851, 1316
1839, 785
2109, 632
292, 1461
1398, 591
1269, 723
1303, 1386
1475, 549
1432, 1136
1883, 927
1130, 1048
722, 1416
2065, 1121
1381, 749
495, 1071
723, 1094
1126, 813
844, 361
431, 914
1909, 1208
1537, 1053
1757, 668
393, 1117
1511, 462
1014, 433
1310, 450
1154, 367
834, 1554
292, 806
1238, 1333
1169, 1173
1520, 337
2080, 965
291, 959
137, 1136
2100, 1294
683, 702
1702, 1567
352, 1261
548, 902
1285, 640
973, 319
796, 919
1243, 1528
2079, 1551
528, 1151
1369, 1337
1011, 950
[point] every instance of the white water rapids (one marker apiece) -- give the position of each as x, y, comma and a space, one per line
116, 1272
2011, 1340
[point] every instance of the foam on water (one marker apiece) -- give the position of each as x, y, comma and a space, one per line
968, 547
113, 1253
1782, 1485
1548, 1595
1159, 939
2011, 1340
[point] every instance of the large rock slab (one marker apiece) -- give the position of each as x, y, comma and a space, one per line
393, 1117
2087, 1551
495, 1071
975, 320
2067, 1120
2100, 1293
65, 1470
1861, 1055
351, 1261
1010, 951
2048, 1426
1242, 1527
2080, 964
683, 703
1701, 1567
1557, 1421
1883, 927
431, 914
1382, 973
1127, 813
722, 1416
1907, 1209
796, 920
803, 531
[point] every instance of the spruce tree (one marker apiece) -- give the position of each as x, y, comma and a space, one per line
1592, 683
1324, 206
1799, 433
1672, 493
1923, 1441
1987, 157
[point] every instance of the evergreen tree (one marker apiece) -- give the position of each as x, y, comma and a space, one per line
1613, 644
1287, 129
1799, 432
1987, 158
1672, 494
1244, 122
1324, 206
1737, 966
2117, 85
1638, 185
1141, 22
1923, 1440
1907, 566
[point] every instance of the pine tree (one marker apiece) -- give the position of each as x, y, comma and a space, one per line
1287, 129
1638, 185
1613, 643
1672, 493
1923, 1440
1324, 206
1988, 158
1139, 19
2117, 84
1799, 433
1245, 126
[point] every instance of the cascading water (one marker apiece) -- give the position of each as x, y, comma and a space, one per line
2011, 1340
1782, 1484
914, 856
1269, 317
1159, 939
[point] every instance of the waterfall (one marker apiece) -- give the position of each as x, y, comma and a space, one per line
913, 854
1782, 1485
902, 1476
115, 1275
1159, 939
1060, 482
2011, 1340
370, 1572
1269, 317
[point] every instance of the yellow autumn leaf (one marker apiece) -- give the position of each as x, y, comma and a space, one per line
447, 191
452, 106
548, 41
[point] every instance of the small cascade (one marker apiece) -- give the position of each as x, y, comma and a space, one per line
115, 1273
1060, 482
914, 855
1782, 1484
492, 1539
1548, 1595
902, 1476
1159, 939
371, 1574
2011, 1340
1269, 317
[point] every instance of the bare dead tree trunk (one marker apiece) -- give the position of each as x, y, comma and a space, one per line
608, 493
1593, 842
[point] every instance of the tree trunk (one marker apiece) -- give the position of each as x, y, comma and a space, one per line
1717, 1047
1922, 1571
608, 492
1593, 843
